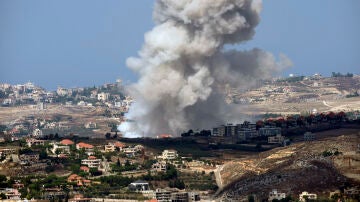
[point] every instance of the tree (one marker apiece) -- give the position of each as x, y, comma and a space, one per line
2, 196
118, 163
2, 128
251, 198
57, 152
95, 172
179, 184
43, 154
127, 163
3, 181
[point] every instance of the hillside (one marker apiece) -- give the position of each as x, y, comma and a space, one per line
320, 166
291, 96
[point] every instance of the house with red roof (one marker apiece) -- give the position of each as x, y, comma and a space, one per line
66, 142
85, 169
89, 149
80, 181
62, 147
111, 146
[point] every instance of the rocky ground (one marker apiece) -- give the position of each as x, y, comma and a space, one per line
72, 116
293, 169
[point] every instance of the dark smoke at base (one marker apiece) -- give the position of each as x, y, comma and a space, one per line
182, 62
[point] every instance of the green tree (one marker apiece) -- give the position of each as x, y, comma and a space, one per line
251, 198
2, 196
43, 154
3, 181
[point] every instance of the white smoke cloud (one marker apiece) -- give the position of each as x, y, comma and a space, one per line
182, 62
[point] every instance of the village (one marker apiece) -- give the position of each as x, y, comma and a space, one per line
65, 146
63, 169
74, 168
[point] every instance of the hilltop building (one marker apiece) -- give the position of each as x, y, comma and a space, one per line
278, 139
245, 132
269, 131
309, 136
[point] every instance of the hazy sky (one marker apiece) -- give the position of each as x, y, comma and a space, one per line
86, 42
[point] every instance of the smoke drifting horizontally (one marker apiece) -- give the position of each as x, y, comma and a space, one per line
183, 60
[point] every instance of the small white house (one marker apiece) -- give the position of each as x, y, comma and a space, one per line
274, 194
306, 195
169, 154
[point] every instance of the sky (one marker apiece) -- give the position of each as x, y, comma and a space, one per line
86, 42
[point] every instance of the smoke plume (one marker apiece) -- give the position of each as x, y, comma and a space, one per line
183, 61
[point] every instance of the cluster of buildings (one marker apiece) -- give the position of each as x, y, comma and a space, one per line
247, 131
163, 195
29, 93
304, 196
307, 196
26, 93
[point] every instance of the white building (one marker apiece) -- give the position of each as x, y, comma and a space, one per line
61, 91
37, 133
34, 142
269, 131
274, 194
139, 186
163, 195
130, 152
306, 195
90, 125
169, 154
10, 193
127, 101
278, 139
41, 106
82, 103
159, 167
64, 149
118, 104
91, 162
29, 158
103, 96
110, 147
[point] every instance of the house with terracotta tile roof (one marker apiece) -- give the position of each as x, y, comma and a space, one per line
80, 181
66, 142
82, 145
89, 149
85, 169
120, 145
111, 146
62, 148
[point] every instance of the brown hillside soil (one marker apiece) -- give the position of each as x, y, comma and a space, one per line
293, 169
